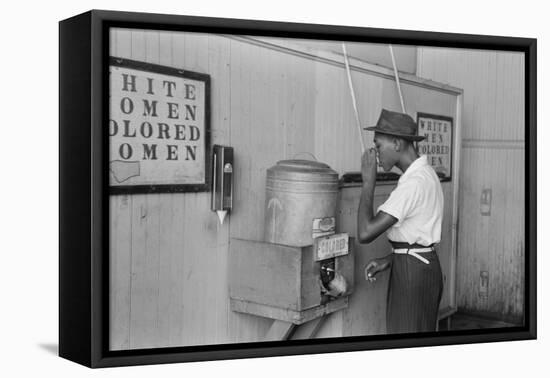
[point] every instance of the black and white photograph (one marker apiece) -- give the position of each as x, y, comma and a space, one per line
272, 189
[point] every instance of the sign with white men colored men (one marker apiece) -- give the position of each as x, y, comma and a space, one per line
438, 145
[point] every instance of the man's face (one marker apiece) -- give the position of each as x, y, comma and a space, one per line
385, 151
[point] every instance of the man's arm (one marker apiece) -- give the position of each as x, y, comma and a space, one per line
369, 226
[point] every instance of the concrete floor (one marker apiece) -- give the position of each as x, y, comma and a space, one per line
462, 321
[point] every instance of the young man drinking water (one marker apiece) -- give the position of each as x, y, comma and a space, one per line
412, 217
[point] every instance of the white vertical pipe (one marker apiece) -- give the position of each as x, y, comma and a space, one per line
395, 72
350, 83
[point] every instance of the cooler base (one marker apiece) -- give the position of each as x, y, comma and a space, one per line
287, 315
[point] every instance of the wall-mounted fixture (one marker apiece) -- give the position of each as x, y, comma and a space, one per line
222, 180
485, 201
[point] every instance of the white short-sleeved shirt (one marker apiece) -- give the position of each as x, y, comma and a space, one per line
417, 203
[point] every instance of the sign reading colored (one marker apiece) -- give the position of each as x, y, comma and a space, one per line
437, 146
157, 127
331, 246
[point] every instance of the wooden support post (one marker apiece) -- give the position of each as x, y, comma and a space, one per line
308, 330
279, 330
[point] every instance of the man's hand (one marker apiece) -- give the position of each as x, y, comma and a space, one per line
375, 266
368, 166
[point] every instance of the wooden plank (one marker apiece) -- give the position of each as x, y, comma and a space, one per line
465, 277
171, 270
300, 118
120, 255
265, 273
143, 310
445, 312
120, 242
123, 42
172, 210
245, 196
176, 298
491, 129
219, 63
178, 50
200, 225
457, 161
120, 250
112, 41
138, 47
296, 317
243, 327
445, 247
265, 145
145, 248
309, 329
332, 326
496, 239
279, 330
152, 46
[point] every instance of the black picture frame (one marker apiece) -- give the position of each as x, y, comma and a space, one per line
84, 208
443, 118
170, 188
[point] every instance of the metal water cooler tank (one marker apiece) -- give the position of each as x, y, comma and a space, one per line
301, 200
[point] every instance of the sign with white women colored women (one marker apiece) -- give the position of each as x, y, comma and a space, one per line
158, 128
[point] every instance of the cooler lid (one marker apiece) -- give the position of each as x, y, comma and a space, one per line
296, 167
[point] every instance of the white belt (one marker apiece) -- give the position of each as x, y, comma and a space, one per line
414, 252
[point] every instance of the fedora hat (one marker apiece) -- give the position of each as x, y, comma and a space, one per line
398, 124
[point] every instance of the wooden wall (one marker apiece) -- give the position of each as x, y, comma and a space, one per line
168, 252
493, 157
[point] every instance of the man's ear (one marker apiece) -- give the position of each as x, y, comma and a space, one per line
397, 144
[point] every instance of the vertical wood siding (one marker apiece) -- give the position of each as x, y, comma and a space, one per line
168, 252
493, 157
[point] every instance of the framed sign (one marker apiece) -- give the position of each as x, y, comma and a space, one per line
438, 145
158, 128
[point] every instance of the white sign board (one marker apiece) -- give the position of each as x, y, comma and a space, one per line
158, 128
438, 145
331, 246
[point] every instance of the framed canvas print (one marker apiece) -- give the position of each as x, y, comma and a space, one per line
235, 189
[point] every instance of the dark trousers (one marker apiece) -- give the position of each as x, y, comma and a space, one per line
414, 293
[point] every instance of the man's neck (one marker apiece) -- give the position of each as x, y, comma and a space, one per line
407, 159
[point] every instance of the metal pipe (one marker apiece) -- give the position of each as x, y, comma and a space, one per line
396, 73
350, 83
